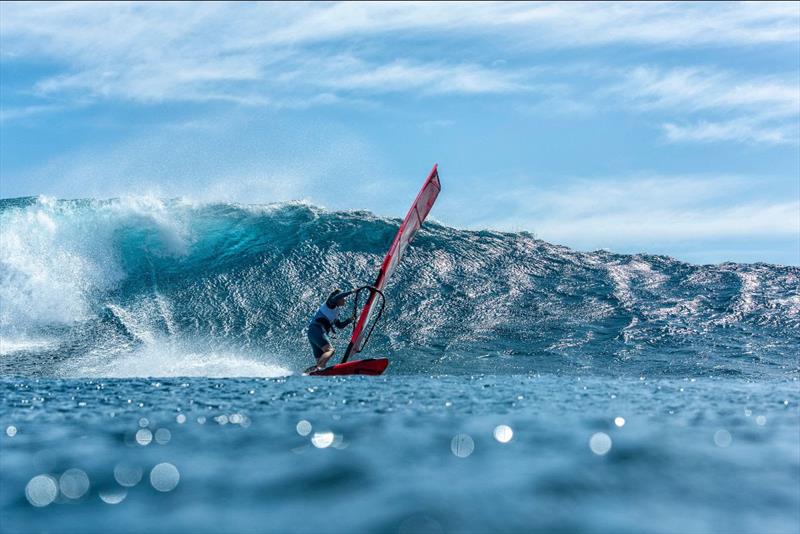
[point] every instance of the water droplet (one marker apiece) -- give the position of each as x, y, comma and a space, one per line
180, 418
619, 421
11, 431
143, 422
761, 420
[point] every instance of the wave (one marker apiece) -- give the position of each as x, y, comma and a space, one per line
151, 287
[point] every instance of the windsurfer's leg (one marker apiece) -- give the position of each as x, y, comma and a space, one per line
319, 342
323, 360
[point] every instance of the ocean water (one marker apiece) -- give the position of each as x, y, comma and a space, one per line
149, 365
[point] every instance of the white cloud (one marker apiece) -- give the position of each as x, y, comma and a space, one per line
709, 89
12, 113
735, 130
247, 52
749, 110
559, 25
599, 213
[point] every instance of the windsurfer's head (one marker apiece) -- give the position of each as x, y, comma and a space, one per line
334, 301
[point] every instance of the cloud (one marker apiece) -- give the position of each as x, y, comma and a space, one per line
743, 131
645, 210
697, 89
13, 113
250, 52
764, 109
557, 25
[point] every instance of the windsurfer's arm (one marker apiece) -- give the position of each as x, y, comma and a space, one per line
341, 324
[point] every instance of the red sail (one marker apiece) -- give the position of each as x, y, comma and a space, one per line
416, 215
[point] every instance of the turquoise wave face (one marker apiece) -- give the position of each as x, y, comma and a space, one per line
151, 287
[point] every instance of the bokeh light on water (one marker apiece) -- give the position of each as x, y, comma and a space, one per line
127, 475
163, 436
144, 437
503, 433
113, 496
11, 431
41, 490
164, 477
73, 483
722, 438
303, 428
322, 440
462, 445
600, 443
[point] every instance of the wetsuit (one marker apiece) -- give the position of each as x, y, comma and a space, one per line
323, 321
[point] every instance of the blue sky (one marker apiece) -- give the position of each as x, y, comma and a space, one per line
661, 128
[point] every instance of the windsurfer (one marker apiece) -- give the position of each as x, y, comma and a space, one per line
322, 324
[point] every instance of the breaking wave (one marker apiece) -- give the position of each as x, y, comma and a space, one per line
151, 287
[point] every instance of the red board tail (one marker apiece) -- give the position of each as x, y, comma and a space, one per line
372, 367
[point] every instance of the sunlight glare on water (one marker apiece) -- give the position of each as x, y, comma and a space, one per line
303, 428
163, 436
113, 496
127, 475
462, 445
144, 437
41, 490
503, 433
722, 438
600, 443
322, 440
164, 477
74, 483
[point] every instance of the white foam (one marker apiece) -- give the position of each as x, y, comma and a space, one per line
162, 359
56, 255
11, 346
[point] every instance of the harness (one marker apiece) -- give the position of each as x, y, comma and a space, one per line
326, 324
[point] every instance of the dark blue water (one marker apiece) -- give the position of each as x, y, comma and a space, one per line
150, 352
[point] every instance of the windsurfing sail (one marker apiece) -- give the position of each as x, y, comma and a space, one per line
408, 228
